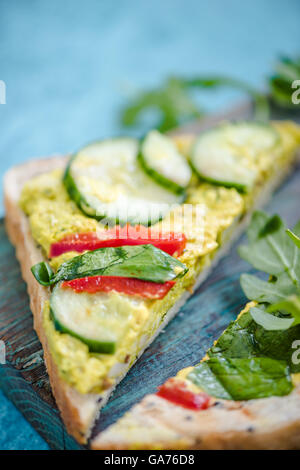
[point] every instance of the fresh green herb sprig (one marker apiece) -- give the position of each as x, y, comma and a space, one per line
175, 102
274, 250
252, 358
175, 98
287, 70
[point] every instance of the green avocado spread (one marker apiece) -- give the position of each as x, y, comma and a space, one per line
52, 215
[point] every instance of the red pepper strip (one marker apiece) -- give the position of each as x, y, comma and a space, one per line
169, 242
177, 392
125, 285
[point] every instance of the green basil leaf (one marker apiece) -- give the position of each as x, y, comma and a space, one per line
270, 322
253, 356
203, 377
247, 379
43, 273
244, 338
238, 340
144, 262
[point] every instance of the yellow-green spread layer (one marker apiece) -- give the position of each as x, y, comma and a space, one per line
53, 215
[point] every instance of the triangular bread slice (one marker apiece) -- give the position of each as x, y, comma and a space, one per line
155, 423
79, 412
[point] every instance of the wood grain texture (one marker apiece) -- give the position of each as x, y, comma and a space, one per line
24, 379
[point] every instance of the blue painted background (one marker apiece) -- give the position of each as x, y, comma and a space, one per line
70, 65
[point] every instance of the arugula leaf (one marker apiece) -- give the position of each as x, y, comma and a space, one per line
172, 102
258, 221
287, 70
290, 305
261, 110
270, 322
272, 225
294, 237
144, 262
246, 378
175, 102
263, 291
271, 251
253, 356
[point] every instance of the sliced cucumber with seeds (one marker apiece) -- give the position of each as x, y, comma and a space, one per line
160, 158
106, 182
227, 154
99, 320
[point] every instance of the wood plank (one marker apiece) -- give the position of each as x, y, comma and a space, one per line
24, 379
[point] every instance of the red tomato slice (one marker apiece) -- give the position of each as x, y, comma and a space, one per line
169, 242
125, 285
177, 392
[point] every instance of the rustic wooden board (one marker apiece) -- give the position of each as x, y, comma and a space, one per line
24, 379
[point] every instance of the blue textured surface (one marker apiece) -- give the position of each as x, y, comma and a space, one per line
68, 67
15, 431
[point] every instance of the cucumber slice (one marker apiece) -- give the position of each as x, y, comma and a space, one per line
106, 182
99, 320
161, 160
226, 155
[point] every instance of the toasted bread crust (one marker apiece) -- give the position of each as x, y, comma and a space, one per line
69, 401
78, 411
268, 423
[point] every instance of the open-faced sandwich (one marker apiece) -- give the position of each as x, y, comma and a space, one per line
113, 240
245, 393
